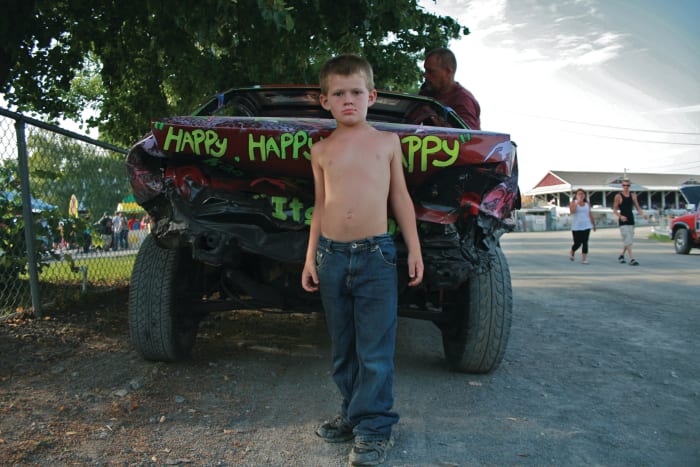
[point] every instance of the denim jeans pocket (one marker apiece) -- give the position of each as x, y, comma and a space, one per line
321, 255
387, 252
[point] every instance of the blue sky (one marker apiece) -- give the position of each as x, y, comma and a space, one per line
589, 85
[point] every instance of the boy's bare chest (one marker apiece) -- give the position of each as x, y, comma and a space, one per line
357, 160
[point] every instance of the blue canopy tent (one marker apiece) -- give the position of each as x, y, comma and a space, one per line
37, 204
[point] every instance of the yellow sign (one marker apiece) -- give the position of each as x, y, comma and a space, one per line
129, 208
73, 206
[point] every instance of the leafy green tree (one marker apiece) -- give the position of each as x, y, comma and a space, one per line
13, 245
137, 60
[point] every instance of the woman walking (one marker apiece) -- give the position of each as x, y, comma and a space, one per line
581, 225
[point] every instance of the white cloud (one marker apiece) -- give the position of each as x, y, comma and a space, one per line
679, 110
597, 56
563, 60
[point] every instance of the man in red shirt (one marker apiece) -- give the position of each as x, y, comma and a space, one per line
440, 66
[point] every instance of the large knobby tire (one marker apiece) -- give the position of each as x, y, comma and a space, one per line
681, 241
161, 327
475, 339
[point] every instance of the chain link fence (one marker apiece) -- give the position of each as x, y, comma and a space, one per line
67, 223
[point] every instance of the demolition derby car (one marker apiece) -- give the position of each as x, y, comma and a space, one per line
229, 190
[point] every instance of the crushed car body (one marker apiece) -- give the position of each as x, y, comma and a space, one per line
230, 193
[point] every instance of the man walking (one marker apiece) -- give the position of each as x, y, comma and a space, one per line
622, 208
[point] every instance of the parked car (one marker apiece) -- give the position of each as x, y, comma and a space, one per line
230, 193
685, 229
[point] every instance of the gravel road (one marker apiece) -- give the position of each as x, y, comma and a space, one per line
601, 369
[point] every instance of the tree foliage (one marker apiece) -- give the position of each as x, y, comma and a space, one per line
49, 226
135, 60
58, 166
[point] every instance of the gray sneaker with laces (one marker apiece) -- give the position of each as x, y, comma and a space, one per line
336, 431
370, 452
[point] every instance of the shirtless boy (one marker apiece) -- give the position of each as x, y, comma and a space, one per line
351, 258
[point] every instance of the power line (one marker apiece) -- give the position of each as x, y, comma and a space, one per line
682, 163
682, 166
632, 139
608, 126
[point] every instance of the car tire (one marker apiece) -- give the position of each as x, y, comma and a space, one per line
475, 339
681, 241
161, 282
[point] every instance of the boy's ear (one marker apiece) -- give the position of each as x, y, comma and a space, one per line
323, 99
372, 97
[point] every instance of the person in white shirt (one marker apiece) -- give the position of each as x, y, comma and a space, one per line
116, 228
581, 225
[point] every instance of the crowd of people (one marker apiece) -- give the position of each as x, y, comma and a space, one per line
114, 230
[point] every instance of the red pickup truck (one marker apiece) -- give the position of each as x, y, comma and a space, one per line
685, 230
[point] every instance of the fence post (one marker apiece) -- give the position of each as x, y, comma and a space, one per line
23, 165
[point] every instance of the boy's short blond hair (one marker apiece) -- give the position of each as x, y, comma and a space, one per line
346, 65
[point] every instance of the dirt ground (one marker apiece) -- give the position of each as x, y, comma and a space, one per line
601, 369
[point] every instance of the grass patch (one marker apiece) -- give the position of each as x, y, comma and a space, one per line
61, 282
104, 270
660, 238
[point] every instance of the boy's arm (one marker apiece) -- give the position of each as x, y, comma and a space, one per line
405, 214
309, 276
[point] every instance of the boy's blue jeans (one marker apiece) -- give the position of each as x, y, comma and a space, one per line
358, 284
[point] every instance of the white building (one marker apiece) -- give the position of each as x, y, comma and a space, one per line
658, 194
654, 191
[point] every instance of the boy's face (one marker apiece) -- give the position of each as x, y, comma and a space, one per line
348, 98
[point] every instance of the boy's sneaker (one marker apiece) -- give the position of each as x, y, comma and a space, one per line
633, 262
370, 452
621, 259
336, 431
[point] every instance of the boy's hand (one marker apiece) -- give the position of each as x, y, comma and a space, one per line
415, 269
309, 278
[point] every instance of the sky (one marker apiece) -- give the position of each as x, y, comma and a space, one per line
585, 85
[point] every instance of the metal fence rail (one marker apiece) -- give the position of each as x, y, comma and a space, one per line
56, 186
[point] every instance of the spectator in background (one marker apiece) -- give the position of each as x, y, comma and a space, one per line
581, 225
116, 228
123, 232
439, 73
104, 227
146, 223
622, 208
87, 239
61, 245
